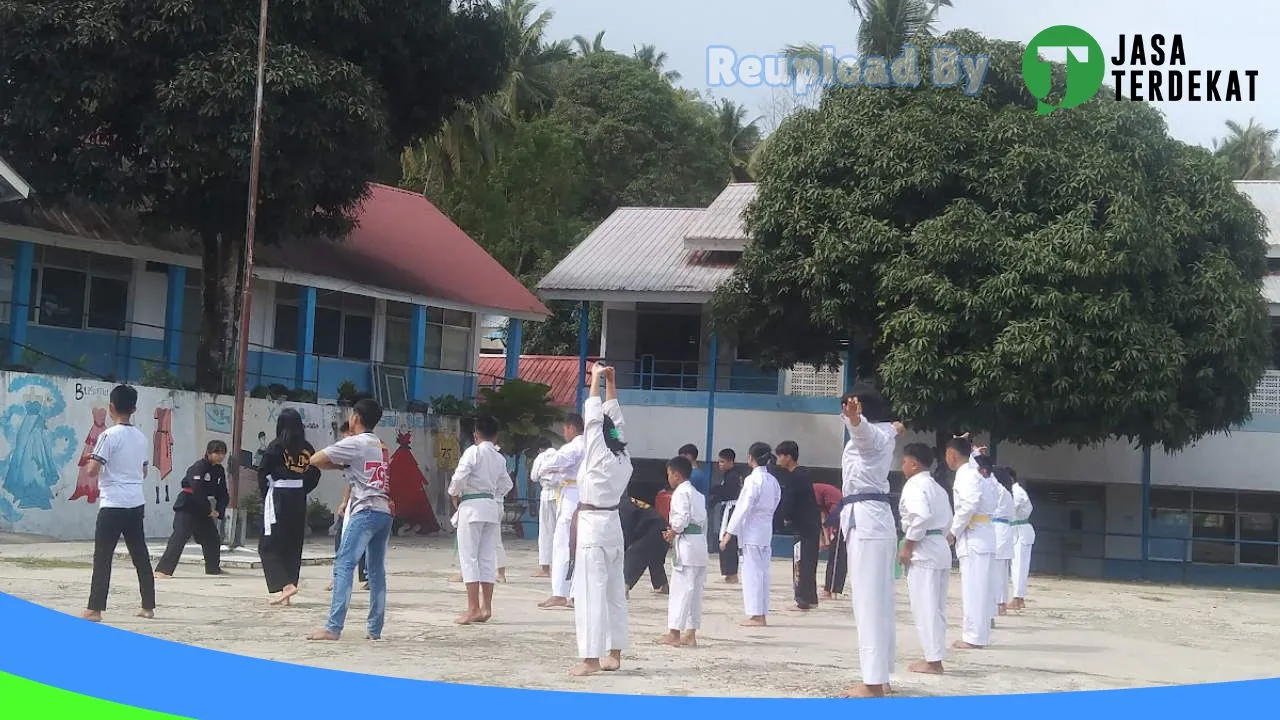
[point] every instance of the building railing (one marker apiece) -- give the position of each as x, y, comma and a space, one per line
649, 372
139, 353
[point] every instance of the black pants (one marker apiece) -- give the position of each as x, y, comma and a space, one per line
185, 526
281, 551
337, 545
649, 553
837, 564
729, 555
805, 572
114, 523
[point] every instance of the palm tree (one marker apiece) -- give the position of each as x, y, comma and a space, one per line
1250, 151
528, 84
472, 132
590, 47
884, 27
740, 139
652, 59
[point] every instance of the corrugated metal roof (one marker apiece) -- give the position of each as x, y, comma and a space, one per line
560, 372
640, 253
1265, 195
1271, 289
721, 227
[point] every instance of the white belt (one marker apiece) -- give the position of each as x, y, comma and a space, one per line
269, 502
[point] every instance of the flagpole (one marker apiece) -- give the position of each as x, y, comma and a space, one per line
237, 526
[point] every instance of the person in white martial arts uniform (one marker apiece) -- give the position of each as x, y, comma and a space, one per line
564, 465
550, 484
1002, 523
752, 524
871, 534
925, 512
975, 543
687, 535
599, 587
479, 485
1024, 537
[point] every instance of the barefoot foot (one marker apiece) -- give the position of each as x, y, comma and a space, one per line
288, 592
554, 602
146, 614
323, 635
91, 616
925, 667
668, 640
585, 669
864, 691
962, 645
468, 618
163, 576
753, 622
611, 664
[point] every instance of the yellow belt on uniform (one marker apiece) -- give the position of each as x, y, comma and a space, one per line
979, 520
560, 490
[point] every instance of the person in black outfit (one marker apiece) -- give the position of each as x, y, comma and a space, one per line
727, 493
195, 513
644, 546
799, 511
285, 478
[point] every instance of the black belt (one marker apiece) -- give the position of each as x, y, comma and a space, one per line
833, 519
573, 532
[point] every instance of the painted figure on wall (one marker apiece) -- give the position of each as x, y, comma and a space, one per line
162, 442
37, 451
409, 489
87, 486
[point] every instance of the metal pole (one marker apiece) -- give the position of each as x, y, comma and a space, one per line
246, 296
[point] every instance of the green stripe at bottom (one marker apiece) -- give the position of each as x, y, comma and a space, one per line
33, 700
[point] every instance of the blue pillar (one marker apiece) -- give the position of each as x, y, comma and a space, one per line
712, 381
417, 380
584, 329
529, 518
306, 369
515, 338
1146, 506
20, 300
173, 317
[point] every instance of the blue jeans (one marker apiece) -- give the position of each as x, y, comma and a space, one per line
367, 534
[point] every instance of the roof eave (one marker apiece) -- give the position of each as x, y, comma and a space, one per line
14, 187
695, 297
720, 244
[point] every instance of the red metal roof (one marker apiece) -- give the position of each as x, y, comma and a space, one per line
560, 372
404, 243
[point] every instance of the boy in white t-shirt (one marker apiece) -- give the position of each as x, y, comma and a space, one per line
364, 461
119, 464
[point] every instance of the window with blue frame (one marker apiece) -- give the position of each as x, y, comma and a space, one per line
73, 289
1220, 527
449, 339
343, 326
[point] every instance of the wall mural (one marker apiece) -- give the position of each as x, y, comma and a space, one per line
40, 443
50, 425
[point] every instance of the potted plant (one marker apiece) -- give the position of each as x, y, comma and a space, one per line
319, 517
347, 393
251, 510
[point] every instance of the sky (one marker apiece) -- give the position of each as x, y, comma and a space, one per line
1223, 35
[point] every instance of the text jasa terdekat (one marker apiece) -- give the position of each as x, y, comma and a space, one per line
1154, 69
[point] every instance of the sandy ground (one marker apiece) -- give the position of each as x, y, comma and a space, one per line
1075, 635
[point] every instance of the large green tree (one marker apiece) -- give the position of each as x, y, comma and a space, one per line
148, 105
1064, 278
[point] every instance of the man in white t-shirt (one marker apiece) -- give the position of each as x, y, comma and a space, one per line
119, 463
364, 461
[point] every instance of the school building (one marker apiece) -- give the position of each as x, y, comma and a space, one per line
394, 309
1210, 514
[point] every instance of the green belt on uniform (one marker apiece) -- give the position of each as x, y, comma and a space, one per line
1020, 522
692, 529
932, 532
476, 496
